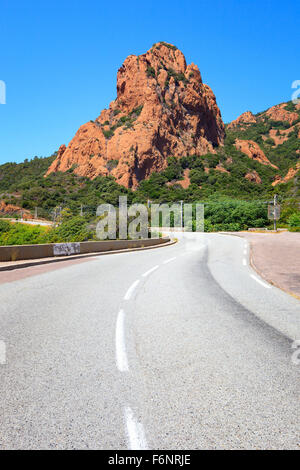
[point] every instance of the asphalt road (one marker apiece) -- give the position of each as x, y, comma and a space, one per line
181, 347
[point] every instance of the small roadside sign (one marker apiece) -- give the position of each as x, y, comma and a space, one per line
274, 212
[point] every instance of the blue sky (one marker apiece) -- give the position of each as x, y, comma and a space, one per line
59, 59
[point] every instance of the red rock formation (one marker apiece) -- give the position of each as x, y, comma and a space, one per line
290, 175
253, 176
278, 137
282, 135
245, 118
253, 151
61, 150
162, 109
10, 209
186, 179
279, 113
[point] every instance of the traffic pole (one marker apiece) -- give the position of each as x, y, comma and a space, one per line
181, 215
275, 205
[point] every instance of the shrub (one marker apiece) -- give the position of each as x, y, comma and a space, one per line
108, 134
290, 107
294, 221
22, 234
4, 226
150, 71
197, 176
137, 111
178, 77
192, 161
173, 48
111, 164
72, 229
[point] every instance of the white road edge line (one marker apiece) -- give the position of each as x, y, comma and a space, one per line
130, 290
261, 282
150, 271
121, 356
135, 431
169, 260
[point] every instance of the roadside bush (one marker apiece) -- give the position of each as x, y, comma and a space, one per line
294, 222
235, 215
4, 226
72, 229
22, 234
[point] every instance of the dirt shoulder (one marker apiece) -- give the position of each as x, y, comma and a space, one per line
276, 257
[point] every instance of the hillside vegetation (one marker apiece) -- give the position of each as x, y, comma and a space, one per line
233, 184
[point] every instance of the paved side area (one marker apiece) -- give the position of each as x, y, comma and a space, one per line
276, 256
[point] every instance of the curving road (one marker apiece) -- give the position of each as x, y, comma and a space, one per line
181, 347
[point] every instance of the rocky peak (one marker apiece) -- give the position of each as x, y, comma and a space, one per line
162, 109
245, 118
280, 113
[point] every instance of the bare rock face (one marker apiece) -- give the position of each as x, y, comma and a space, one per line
253, 176
162, 109
279, 113
245, 118
12, 210
253, 151
292, 172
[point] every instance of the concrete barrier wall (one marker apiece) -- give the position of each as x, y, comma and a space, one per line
21, 252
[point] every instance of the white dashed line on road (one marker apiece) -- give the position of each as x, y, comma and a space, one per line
135, 431
121, 357
169, 260
130, 290
244, 262
267, 286
150, 271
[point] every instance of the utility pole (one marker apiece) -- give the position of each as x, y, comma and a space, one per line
275, 211
54, 216
35, 212
81, 210
181, 214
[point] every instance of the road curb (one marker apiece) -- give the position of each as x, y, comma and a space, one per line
254, 267
89, 255
272, 283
